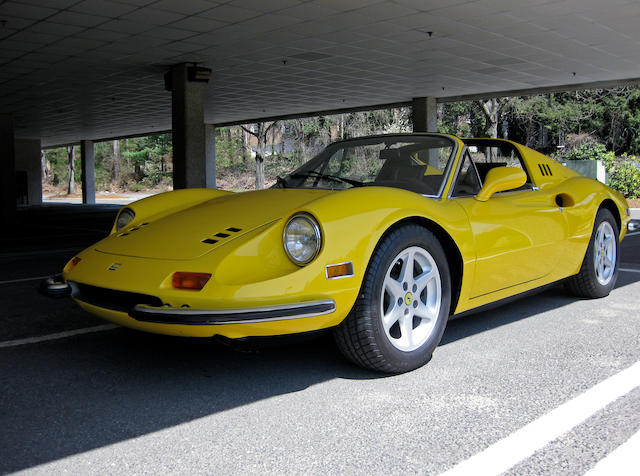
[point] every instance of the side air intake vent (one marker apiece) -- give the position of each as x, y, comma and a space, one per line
545, 170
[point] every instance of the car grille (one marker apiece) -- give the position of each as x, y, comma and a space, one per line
112, 299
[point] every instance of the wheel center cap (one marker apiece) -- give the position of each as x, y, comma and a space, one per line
408, 299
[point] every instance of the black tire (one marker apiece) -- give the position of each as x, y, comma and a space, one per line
590, 282
362, 337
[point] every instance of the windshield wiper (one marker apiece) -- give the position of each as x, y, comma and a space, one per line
335, 178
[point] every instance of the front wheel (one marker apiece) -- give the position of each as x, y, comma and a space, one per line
599, 269
403, 305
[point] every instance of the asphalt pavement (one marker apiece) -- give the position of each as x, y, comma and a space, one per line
550, 376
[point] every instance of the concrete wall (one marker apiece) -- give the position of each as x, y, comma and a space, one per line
589, 168
28, 160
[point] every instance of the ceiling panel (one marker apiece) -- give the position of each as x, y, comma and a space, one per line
90, 69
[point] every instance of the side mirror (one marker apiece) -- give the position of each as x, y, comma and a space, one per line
501, 179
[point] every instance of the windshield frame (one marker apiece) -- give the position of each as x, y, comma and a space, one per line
313, 163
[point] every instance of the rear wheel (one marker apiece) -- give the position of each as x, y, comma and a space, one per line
403, 305
599, 269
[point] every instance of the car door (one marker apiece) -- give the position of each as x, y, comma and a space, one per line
518, 234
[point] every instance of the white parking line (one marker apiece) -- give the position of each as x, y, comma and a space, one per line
521, 444
633, 234
56, 336
24, 280
629, 270
623, 461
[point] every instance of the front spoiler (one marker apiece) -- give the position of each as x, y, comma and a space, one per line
207, 317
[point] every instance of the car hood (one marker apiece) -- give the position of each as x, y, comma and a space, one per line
196, 231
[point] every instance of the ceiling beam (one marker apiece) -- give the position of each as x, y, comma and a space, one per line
447, 99
542, 90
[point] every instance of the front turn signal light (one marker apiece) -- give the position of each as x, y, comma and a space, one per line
341, 270
193, 281
72, 264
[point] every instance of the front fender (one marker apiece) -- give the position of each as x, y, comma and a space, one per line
355, 221
163, 204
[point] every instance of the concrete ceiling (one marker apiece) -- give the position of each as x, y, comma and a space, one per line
94, 69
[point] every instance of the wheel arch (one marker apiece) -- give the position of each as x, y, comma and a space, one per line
610, 205
452, 253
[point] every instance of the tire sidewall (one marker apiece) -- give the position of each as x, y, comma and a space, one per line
600, 289
396, 242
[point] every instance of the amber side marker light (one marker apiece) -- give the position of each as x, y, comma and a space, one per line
340, 270
185, 280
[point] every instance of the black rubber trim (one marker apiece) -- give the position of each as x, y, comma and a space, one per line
110, 298
214, 317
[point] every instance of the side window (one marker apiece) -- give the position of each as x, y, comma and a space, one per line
489, 154
467, 183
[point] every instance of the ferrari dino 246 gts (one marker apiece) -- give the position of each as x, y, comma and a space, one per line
381, 238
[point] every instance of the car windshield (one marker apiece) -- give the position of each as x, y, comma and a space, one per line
418, 163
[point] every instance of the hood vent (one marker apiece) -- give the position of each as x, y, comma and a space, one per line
221, 235
135, 228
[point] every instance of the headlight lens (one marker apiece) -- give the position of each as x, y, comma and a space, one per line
125, 217
302, 239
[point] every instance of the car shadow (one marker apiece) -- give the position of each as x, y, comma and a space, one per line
526, 307
68, 397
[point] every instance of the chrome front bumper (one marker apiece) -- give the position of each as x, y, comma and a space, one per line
126, 302
55, 287
207, 317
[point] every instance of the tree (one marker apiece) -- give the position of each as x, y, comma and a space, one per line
45, 167
71, 185
260, 131
116, 161
492, 110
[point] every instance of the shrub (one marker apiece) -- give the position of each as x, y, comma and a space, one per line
625, 177
589, 150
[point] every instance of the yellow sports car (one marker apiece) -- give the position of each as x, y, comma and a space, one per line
381, 238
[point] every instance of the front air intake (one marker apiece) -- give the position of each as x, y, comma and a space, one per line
111, 298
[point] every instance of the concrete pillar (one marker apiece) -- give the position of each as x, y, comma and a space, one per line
7, 170
28, 160
188, 83
425, 114
210, 153
425, 119
88, 172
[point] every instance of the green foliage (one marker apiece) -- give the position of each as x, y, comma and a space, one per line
456, 118
144, 163
589, 150
624, 176
229, 149
609, 117
585, 151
